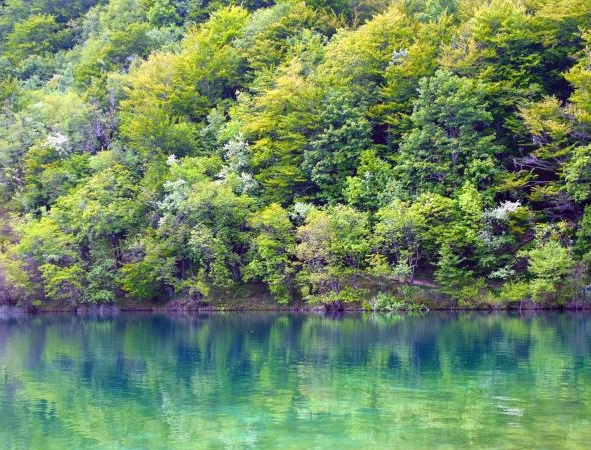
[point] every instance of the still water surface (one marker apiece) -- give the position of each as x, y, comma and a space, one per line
441, 380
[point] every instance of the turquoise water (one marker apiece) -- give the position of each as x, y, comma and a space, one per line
441, 380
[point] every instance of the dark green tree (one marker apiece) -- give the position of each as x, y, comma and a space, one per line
451, 141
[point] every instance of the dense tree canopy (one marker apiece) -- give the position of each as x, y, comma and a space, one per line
325, 150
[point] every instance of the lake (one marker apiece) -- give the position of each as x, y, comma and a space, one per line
296, 381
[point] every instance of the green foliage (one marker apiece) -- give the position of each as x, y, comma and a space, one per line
471, 295
498, 239
332, 247
37, 35
62, 283
359, 58
577, 173
51, 261
386, 302
270, 35
273, 250
583, 245
394, 302
152, 275
514, 292
283, 118
334, 151
450, 272
399, 234
163, 12
549, 264
450, 142
373, 185
168, 91
199, 240
159, 148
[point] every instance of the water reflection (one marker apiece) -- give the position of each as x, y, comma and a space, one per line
233, 380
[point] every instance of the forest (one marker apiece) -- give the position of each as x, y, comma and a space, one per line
381, 153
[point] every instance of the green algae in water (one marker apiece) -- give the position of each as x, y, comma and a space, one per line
232, 380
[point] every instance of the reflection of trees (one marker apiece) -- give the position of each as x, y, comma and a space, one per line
229, 379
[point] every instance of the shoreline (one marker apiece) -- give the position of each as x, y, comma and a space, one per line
114, 309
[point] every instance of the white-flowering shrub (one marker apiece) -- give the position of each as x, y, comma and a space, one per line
300, 211
502, 273
501, 212
173, 200
60, 143
172, 160
237, 154
398, 56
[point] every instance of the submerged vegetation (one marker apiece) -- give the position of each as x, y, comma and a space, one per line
333, 152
